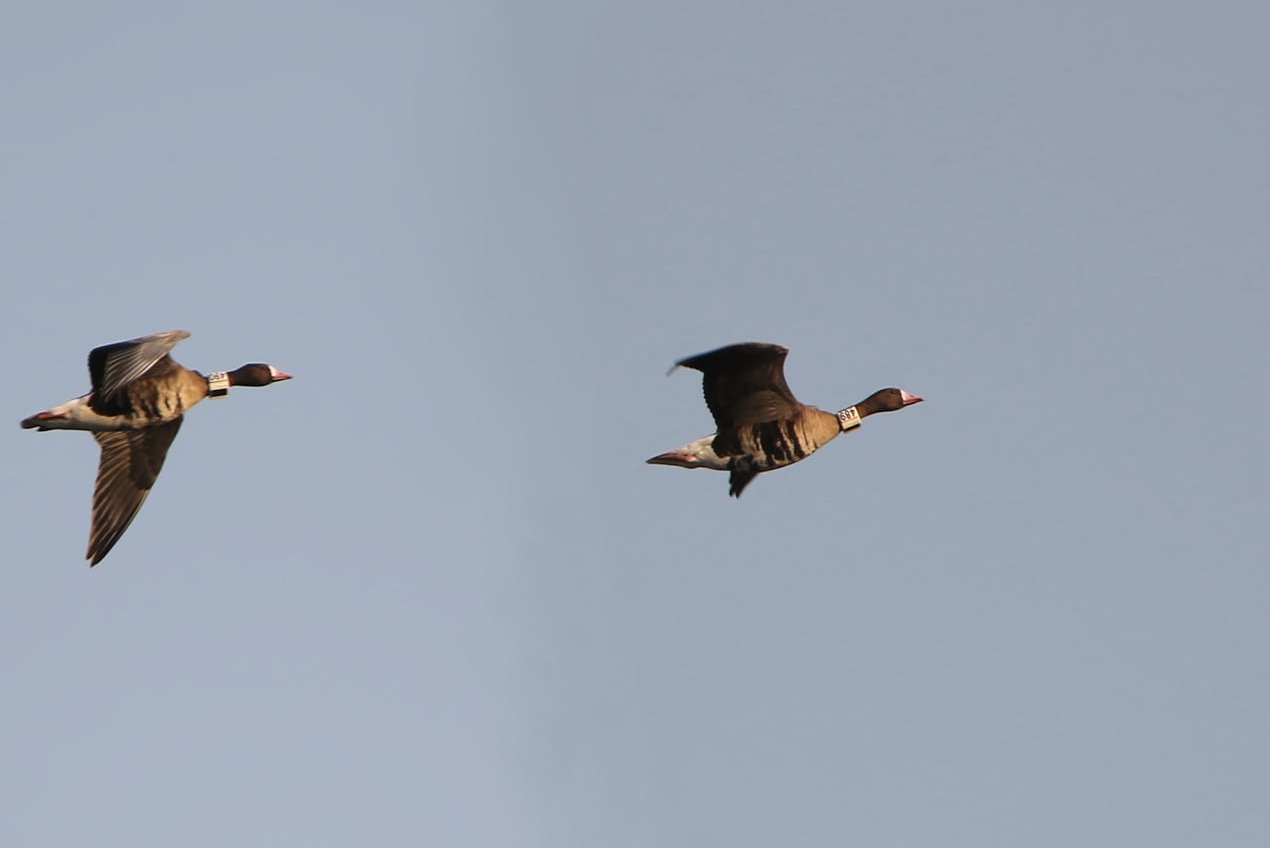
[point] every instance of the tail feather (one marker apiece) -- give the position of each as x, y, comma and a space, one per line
37, 420
676, 458
698, 454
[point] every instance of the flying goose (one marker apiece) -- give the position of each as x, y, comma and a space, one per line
760, 425
134, 411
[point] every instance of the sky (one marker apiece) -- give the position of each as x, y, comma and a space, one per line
428, 592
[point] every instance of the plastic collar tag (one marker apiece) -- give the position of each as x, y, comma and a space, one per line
849, 419
217, 384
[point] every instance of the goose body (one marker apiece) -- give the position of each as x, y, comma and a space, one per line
136, 405
760, 425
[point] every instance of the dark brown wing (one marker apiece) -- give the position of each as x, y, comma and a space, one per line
130, 463
745, 384
738, 480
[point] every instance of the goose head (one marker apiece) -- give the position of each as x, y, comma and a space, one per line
886, 400
256, 374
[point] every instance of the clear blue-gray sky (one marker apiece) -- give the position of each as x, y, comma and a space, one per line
427, 593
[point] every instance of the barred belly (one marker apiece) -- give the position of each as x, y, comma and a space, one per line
153, 401
775, 444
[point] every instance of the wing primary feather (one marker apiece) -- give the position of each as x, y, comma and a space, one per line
112, 367
745, 384
130, 463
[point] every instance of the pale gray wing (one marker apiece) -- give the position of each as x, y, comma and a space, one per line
112, 367
130, 463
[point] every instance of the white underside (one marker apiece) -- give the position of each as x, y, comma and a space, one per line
78, 415
698, 454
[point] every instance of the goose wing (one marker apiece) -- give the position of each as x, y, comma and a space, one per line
130, 463
112, 367
738, 479
745, 384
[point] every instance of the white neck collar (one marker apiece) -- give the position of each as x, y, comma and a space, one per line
849, 419
217, 384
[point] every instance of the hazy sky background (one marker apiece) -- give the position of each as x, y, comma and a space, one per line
427, 593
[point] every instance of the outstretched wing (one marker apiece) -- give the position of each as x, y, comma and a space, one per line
745, 384
112, 367
130, 463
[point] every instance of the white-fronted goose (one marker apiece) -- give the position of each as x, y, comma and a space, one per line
760, 425
134, 412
